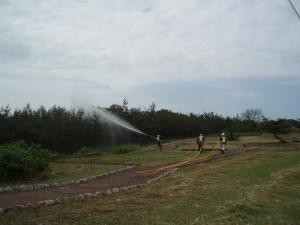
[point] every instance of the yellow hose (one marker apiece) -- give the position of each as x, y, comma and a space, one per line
189, 161
184, 162
180, 162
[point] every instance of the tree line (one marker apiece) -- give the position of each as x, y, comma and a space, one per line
67, 130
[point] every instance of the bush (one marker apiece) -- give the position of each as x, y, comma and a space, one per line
20, 161
86, 151
231, 136
122, 149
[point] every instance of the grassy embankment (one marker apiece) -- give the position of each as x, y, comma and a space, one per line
260, 186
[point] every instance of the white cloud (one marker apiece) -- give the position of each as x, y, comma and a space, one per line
124, 44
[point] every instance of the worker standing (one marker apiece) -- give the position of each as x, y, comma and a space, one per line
200, 142
159, 145
223, 143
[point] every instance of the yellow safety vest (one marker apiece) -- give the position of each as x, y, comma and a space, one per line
201, 138
223, 139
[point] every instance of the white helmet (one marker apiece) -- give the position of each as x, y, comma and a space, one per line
223, 134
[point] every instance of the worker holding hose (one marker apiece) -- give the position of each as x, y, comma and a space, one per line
200, 142
159, 145
223, 143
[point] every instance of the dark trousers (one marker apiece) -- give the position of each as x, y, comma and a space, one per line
200, 146
159, 146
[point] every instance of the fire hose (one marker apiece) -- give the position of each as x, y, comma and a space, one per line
178, 164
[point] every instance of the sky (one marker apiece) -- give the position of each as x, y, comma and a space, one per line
187, 56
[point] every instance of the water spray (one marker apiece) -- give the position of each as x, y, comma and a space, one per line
108, 116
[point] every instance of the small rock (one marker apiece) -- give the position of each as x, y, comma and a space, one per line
8, 189
124, 188
108, 192
81, 196
57, 201
1, 210
115, 190
41, 202
88, 195
49, 202
1, 190
20, 206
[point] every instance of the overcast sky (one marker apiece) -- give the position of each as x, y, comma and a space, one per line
188, 56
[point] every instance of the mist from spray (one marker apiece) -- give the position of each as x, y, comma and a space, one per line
107, 116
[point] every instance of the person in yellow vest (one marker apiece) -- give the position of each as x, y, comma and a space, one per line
159, 145
200, 142
223, 143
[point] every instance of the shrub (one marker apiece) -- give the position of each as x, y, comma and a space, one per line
122, 149
86, 151
231, 136
20, 161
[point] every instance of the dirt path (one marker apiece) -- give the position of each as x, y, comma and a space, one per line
126, 178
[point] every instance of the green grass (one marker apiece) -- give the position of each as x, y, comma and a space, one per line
253, 133
146, 158
122, 149
115, 149
63, 172
265, 164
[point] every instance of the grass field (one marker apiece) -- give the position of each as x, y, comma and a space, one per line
260, 186
64, 172
145, 158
